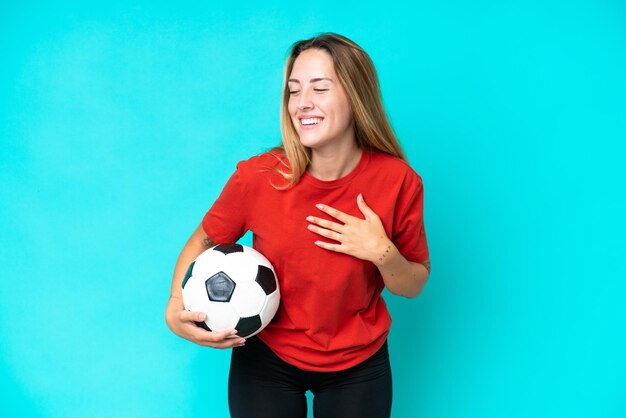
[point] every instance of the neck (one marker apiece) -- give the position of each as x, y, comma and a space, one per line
334, 164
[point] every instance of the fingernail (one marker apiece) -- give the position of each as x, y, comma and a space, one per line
309, 218
359, 197
202, 317
319, 206
233, 332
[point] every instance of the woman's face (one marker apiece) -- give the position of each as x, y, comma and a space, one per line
318, 104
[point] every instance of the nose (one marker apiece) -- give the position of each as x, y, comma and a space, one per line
305, 101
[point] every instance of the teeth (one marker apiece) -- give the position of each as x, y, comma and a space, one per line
311, 121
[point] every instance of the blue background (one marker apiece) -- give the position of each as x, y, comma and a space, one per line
120, 122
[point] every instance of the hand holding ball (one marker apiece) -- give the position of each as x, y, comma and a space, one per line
235, 286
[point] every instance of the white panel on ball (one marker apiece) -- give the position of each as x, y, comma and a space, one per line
222, 316
248, 300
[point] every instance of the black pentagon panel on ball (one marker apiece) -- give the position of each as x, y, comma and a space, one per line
188, 274
229, 248
220, 287
266, 279
203, 325
247, 326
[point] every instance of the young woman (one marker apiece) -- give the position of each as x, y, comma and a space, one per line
339, 213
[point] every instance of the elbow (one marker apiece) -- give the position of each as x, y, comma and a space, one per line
413, 292
409, 284
409, 292
413, 287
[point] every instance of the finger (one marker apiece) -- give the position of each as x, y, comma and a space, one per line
221, 339
334, 226
337, 214
192, 316
325, 232
205, 337
365, 210
331, 247
227, 343
222, 335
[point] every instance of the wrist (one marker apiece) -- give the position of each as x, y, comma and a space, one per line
384, 252
174, 304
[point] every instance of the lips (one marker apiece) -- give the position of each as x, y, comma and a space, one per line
310, 121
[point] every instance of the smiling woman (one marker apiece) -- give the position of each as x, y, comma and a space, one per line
320, 111
333, 253
338, 66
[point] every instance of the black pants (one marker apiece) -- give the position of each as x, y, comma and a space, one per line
261, 385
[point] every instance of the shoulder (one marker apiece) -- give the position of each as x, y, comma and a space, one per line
393, 167
267, 161
263, 169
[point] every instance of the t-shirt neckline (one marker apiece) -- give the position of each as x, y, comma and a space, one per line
327, 184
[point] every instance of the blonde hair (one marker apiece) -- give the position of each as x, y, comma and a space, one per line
357, 75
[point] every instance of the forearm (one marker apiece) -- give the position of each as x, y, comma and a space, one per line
197, 243
185, 323
401, 277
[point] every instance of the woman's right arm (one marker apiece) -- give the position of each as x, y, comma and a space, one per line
183, 322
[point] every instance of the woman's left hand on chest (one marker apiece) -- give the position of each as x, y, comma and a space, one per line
362, 238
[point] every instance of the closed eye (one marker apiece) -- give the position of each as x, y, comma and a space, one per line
320, 90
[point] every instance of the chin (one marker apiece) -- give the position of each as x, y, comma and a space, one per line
311, 144
307, 140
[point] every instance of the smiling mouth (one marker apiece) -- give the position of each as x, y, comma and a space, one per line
310, 121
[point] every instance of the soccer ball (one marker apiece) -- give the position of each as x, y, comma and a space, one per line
235, 286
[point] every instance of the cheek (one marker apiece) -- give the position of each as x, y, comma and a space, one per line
292, 107
344, 117
341, 112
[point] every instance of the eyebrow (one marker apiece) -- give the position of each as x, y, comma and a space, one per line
313, 80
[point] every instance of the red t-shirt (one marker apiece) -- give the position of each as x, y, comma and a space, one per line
331, 315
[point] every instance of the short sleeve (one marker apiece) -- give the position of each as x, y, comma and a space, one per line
225, 222
409, 233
